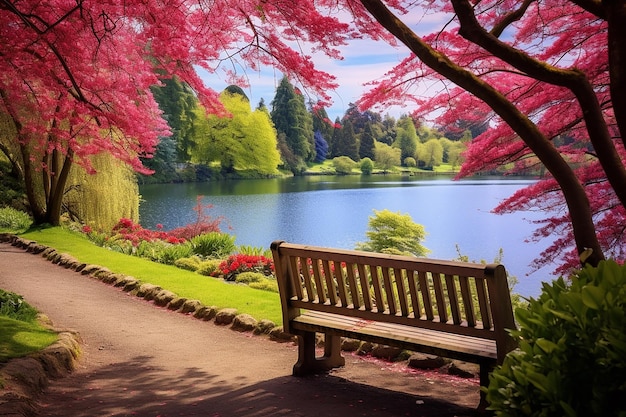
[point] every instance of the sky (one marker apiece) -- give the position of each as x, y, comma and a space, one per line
364, 61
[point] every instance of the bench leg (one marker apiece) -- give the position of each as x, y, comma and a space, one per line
485, 370
308, 363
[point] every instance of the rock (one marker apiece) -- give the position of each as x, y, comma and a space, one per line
350, 345
463, 369
244, 323
278, 335
176, 303
89, 269
423, 361
190, 306
148, 291
386, 352
163, 297
264, 327
225, 316
131, 284
365, 348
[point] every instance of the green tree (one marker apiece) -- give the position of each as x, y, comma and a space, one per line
407, 138
392, 232
346, 144
321, 123
179, 105
245, 141
431, 154
387, 157
367, 144
102, 198
367, 166
344, 165
290, 116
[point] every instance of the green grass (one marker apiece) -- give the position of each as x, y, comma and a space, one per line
20, 338
209, 291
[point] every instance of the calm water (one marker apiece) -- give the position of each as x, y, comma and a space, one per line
334, 212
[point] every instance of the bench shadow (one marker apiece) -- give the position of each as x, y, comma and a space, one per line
138, 388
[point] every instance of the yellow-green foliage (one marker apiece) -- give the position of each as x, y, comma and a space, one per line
191, 264
101, 199
209, 266
265, 285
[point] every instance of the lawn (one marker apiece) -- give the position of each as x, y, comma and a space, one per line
20, 338
209, 291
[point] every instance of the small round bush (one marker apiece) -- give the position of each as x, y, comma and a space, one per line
572, 350
249, 277
367, 166
213, 244
210, 267
266, 285
191, 263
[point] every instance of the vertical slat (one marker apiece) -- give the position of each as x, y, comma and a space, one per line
365, 287
330, 283
425, 290
352, 286
415, 303
319, 285
295, 276
397, 272
341, 284
439, 297
453, 298
391, 300
380, 301
306, 275
468, 303
483, 303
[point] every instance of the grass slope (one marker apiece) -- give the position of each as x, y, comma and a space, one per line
209, 291
20, 338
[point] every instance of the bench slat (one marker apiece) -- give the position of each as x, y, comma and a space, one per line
365, 287
306, 277
468, 304
330, 283
453, 299
442, 311
294, 274
341, 284
402, 291
353, 286
380, 301
445, 344
319, 286
425, 290
391, 299
483, 303
413, 293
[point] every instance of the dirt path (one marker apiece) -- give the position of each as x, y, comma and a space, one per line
141, 360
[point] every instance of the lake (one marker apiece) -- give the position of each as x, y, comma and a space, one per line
333, 211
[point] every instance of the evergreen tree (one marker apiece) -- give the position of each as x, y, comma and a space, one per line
366, 145
346, 142
321, 147
178, 103
334, 140
291, 118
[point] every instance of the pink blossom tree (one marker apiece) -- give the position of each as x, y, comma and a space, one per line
75, 74
551, 78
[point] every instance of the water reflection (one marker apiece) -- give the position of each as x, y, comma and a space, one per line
334, 212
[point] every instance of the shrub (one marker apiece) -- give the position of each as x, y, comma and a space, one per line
344, 165
238, 263
410, 162
254, 250
265, 285
213, 245
204, 223
248, 277
191, 263
572, 348
394, 233
13, 305
14, 220
367, 166
210, 267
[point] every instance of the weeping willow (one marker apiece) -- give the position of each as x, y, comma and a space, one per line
101, 199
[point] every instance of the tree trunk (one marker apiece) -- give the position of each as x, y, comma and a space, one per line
573, 191
616, 19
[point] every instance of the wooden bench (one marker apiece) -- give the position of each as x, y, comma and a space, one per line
455, 310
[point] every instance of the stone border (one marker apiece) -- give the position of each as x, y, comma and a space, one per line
226, 316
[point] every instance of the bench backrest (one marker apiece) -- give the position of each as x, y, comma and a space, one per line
456, 297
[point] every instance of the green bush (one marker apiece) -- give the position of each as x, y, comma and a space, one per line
367, 166
265, 285
248, 277
209, 267
571, 359
344, 165
191, 263
213, 244
14, 220
13, 305
254, 250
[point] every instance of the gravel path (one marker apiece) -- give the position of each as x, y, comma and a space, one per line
142, 360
